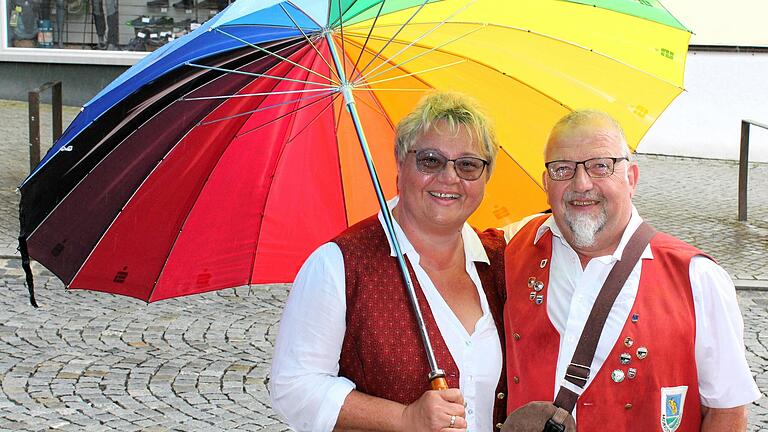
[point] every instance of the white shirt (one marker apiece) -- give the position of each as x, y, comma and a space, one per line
725, 380
305, 387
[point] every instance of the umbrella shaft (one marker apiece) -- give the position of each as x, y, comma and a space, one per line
435, 373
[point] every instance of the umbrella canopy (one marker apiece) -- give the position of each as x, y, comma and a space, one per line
227, 156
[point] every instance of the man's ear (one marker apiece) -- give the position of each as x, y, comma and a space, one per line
633, 175
545, 180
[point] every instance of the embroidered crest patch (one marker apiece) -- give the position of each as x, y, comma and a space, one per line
672, 402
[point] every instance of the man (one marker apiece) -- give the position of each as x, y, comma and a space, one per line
671, 354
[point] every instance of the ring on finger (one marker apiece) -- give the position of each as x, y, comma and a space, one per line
453, 421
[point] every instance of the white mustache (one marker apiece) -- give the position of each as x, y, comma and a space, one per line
584, 196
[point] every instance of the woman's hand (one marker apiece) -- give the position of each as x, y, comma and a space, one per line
433, 412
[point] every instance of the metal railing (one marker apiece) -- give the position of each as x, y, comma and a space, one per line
744, 165
34, 119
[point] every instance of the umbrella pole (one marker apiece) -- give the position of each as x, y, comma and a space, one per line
436, 375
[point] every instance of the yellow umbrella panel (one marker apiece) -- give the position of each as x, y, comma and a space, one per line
527, 63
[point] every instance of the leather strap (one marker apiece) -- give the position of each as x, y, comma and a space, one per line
578, 371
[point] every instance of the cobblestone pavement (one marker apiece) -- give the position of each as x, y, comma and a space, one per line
696, 200
87, 361
93, 361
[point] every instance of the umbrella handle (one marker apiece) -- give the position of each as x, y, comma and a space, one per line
439, 383
437, 380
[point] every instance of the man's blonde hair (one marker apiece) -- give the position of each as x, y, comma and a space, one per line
454, 109
583, 117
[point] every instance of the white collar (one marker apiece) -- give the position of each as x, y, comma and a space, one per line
473, 247
634, 222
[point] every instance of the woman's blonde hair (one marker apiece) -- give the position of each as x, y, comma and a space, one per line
454, 109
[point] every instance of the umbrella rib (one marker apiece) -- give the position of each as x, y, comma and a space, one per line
309, 40
419, 72
352, 3
341, 27
309, 123
433, 49
264, 108
521, 167
416, 77
376, 108
367, 38
378, 54
307, 15
218, 29
257, 94
393, 89
280, 117
427, 33
257, 75
338, 123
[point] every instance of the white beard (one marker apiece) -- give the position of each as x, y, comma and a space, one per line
584, 227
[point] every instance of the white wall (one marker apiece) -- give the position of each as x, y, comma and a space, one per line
735, 22
705, 121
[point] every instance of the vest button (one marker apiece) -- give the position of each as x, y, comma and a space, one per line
516, 380
628, 406
516, 336
499, 426
500, 396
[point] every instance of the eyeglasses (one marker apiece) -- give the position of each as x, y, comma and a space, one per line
433, 162
600, 167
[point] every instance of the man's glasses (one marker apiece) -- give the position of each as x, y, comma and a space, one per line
433, 162
600, 167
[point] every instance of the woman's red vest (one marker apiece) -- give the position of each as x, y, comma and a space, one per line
382, 352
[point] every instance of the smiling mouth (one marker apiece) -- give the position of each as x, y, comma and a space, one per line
449, 196
583, 203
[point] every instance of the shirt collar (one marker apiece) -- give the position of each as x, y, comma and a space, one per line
473, 247
634, 222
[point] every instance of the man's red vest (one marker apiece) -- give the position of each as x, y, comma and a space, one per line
382, 352
661, 322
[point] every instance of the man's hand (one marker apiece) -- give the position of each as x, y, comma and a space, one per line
724, 419
433, 411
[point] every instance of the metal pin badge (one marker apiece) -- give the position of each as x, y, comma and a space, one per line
532, 295
538, 286
635, 317
642, 353
628, 342
617, 375
539, 299
625, 358
531, 281
543, 263
631, 373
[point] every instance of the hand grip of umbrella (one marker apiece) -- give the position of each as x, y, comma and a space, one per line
436, 375
439, 383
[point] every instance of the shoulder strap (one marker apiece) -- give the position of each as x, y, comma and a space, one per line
578, 371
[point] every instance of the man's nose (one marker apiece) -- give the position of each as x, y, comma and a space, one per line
581, 181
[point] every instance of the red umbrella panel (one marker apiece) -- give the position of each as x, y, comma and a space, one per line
233, 182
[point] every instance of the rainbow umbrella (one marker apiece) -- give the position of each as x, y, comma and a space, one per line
227, 156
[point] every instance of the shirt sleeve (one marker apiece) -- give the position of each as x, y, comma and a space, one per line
725, 380
304, 386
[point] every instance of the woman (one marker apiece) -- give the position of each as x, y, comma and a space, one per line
348, 354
